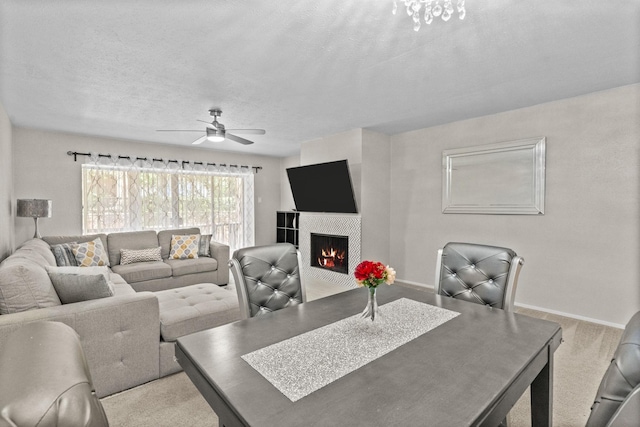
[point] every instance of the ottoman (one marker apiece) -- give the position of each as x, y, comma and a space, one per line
192, 309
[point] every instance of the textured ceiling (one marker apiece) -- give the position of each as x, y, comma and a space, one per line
299, 69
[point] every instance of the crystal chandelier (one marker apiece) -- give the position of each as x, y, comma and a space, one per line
432, 9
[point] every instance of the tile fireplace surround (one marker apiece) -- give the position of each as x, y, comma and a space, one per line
337, 224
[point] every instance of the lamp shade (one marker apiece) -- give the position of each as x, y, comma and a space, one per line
34, 208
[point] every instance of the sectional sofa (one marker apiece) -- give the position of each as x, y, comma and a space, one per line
158, 275
128, 336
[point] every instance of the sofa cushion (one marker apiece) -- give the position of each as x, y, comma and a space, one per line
181, 267
184, 246
146, 239
130, 256
25, 285
164, 238
41, 247
195, 308
80, 287
142, 271
122, 288
63, 254
29, 254
89, 254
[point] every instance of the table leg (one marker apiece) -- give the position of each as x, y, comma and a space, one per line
542, 395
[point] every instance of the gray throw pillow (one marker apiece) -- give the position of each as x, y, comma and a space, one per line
64, 255
204, 249
80, 287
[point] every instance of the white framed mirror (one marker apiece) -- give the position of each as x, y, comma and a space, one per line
503, 178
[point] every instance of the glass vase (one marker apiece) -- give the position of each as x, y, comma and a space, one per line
371, 310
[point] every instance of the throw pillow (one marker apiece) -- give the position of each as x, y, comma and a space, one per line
80, 287
130, 256
204, 249
64, 254
85, 271
184, 246
90, 254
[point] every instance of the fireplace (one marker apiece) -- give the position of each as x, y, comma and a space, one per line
330, 252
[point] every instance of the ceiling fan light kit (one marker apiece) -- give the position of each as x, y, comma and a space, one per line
215, 135
216, 132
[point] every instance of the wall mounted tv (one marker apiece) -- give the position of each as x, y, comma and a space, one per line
323, 187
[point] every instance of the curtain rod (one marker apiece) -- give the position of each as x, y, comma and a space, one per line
75, 155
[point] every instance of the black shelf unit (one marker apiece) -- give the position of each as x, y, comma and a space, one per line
287, 227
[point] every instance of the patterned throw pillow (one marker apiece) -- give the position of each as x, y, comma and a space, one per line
204, 249
64, 255
184, 246
90, 254
130, 256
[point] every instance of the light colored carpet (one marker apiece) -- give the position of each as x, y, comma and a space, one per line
168, 402
580, 363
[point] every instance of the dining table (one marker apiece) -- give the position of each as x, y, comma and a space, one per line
426, 360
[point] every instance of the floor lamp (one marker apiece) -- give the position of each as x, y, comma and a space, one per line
34, 208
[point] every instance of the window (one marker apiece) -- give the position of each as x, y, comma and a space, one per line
119, 197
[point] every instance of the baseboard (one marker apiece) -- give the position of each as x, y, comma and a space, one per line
533, 307
571, 316
416, 284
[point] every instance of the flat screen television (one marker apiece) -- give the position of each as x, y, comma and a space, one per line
323, 187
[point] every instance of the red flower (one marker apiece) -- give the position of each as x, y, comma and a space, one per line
373, 271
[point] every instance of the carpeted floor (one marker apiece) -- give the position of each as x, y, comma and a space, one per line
168, 402
580, 363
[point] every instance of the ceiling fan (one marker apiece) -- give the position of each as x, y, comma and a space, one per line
216, 132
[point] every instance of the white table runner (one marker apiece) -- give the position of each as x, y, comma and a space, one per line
305, 363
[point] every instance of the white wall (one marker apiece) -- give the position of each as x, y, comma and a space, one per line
582, 256
375, 193
7, 235
286, 197
42, 169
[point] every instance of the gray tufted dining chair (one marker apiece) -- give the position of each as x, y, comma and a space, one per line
617, 401
267, 278
481, 274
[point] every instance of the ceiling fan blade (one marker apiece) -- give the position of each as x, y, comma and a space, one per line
238, 139
177, 130
209, 123
249, 131
200, 140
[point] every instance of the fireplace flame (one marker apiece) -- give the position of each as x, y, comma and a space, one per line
331, 257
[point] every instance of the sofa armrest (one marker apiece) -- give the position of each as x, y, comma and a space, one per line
120, 337
220, 252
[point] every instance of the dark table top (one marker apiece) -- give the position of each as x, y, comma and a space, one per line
452, 375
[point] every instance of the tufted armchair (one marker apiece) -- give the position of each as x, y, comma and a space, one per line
267, 278
46, 380
618, 397
481, 274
